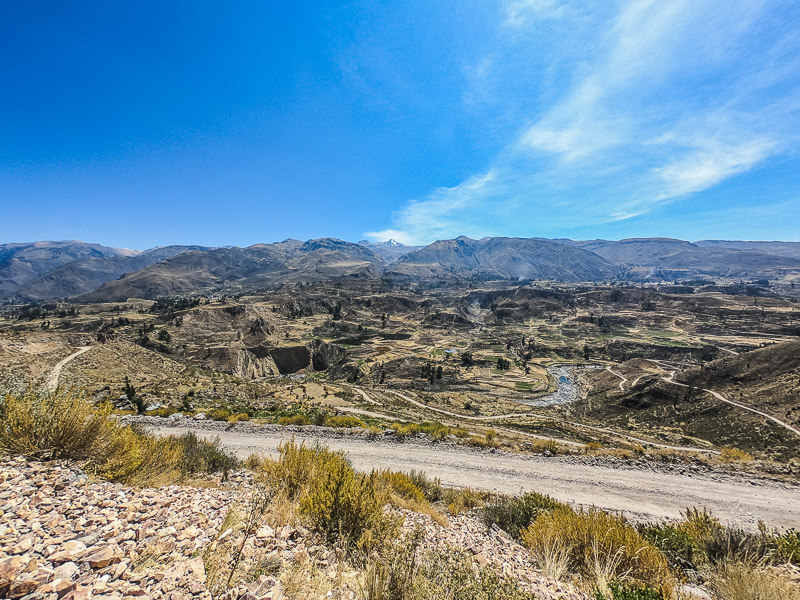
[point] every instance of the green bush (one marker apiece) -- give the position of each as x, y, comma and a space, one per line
340, 503
681, 549
162, 412
512, 515
700, 540
431, 488
787, 547
203, 456
342, 421
454, 575
628, 591
218, 414
301, 420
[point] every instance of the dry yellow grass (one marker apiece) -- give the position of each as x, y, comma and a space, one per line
598, 547
742, 581
734, 455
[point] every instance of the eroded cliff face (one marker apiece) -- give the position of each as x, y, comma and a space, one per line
249, 366
291, 359
317, 355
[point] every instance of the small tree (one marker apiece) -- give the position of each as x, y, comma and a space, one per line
135, 399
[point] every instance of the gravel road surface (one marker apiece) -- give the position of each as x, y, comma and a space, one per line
639, 491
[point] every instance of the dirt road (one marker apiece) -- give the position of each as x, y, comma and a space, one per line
51, 383
641, 493
671, 379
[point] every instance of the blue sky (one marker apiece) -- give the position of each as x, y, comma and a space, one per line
151, 123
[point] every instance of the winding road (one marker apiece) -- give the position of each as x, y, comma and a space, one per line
51, 381
640, 492
671, 379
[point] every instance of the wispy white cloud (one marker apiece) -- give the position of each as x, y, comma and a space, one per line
522, 12
706, 167
667, 98
445, 210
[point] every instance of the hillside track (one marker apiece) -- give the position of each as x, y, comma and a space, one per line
51, 381
670, 378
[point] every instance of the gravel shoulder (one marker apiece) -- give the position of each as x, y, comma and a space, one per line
641, 492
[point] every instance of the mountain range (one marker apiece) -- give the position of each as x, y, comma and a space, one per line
40, 271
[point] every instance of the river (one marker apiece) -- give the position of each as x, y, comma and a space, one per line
567, 389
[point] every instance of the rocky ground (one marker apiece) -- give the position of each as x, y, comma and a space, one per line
494, 548
66, 535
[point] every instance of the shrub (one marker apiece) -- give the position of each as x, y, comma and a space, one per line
551, 552
544, 446
300, 420
681, 549
728, 543
134, 399
400, 490
57, 425
163, 412
65, 425
436, 430
734, 455
459, 432
700, 541
512, 515
452, 574
630, 591
296, 466
254, 462
340, 503
391, 567
199, 455
342, 421
601, 547
399, 484
431, 488
218, 414
406, 429
787, 547
462, 500
137, 459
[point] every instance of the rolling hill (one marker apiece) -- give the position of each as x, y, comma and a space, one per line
41, 271
504, 258
50, 270
238, 269
666, 258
